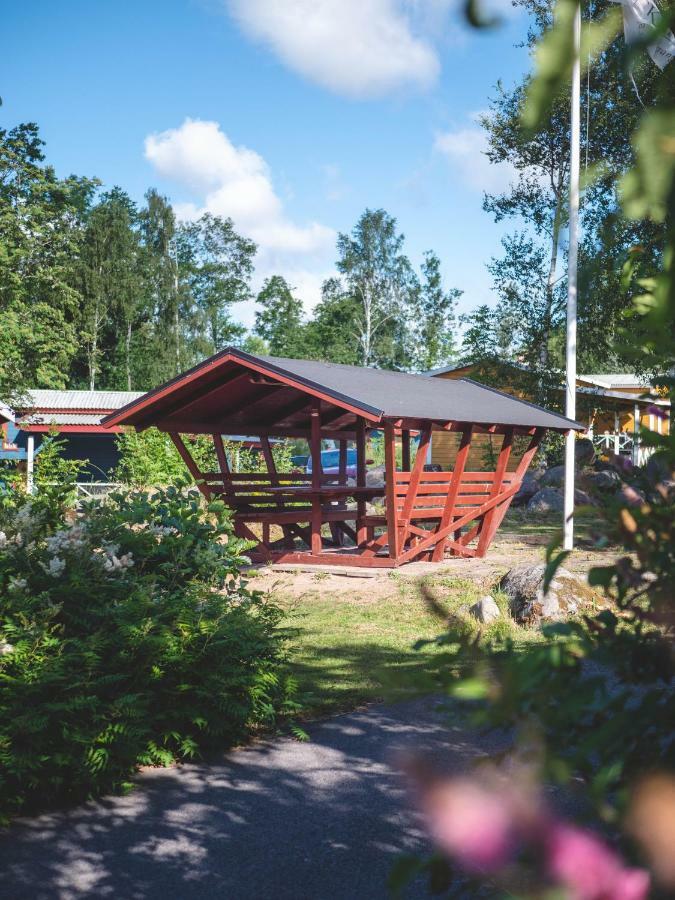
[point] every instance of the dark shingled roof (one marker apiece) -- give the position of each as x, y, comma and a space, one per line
376, 392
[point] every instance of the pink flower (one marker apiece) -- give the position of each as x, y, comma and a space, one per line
587, 867
471, 824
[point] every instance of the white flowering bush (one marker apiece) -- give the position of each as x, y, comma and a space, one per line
127, 637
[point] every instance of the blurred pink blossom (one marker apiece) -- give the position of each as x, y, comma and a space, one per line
589, 869
474, 825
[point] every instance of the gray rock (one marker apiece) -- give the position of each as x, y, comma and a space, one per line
566, 595
546, 500
605, 480
528, 488
584, 451
657, 468
582, 498
375, 477
553, 477
485, 610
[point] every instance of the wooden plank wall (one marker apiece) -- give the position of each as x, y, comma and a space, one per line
444, 447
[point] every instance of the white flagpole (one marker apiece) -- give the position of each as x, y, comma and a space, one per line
573, 251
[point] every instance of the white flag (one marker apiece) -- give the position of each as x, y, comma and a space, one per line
640, 17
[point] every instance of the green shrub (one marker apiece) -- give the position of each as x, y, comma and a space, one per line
127, 637
149, 457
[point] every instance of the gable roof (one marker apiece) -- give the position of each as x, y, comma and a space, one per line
218, 387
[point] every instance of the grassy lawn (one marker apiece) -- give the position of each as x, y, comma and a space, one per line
348, 650
353, 637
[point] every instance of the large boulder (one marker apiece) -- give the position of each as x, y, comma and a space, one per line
527, 489
605, 480
584, 451
546, 500
553, 477
524, 586
657, 468
583, 498
375, 477
485, 610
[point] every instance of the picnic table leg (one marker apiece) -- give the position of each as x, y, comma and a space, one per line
315, 450
361, 530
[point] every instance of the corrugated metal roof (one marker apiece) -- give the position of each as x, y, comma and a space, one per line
375, 392
6, 414
43, 400
618, 381
61, 419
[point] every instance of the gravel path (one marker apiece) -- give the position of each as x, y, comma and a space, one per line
321, 820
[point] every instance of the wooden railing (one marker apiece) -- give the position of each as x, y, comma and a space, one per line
475, 488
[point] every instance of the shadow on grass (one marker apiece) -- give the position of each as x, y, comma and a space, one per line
338, 678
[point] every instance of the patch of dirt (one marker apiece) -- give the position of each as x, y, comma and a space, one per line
306, 585
509, 549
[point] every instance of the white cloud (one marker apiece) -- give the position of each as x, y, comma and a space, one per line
465, 149
360, 48
232, 181
235, 181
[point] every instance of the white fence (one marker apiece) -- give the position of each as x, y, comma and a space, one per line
622, 443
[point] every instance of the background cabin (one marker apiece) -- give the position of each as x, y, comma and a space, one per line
612, 408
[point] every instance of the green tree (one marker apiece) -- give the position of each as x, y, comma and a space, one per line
330, 334
41, 219
110, 287
215, 265
530, 277
380, 279
163, 337
436, 320
278, 320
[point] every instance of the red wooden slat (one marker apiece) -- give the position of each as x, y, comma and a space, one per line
453, 490
488, 528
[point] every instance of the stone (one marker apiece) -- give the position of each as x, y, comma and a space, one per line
657, 468
553, 477
630, 496
584, 451
605, 480
582, 498
528, 488
567, 594
485, 610
546, 500
375, 477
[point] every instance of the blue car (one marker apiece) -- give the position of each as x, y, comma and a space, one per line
330, 463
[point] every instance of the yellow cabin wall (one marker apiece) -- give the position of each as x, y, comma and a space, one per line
444, 445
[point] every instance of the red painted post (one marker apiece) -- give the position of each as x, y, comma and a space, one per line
190, 463
405, 449
315, 450
361, 530
390, 485
343, 461
453, 490
488, 527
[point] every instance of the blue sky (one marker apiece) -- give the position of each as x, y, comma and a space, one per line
290, 116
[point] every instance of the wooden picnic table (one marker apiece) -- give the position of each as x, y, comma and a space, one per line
325, 490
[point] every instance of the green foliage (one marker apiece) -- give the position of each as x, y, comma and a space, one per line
127, 637
149, 458
278, 320
592, 706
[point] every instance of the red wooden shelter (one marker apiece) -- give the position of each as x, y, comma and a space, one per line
426, 514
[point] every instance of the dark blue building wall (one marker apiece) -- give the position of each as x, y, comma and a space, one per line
99, 449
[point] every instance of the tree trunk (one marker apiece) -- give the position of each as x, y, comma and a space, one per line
550, 283
128, 355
